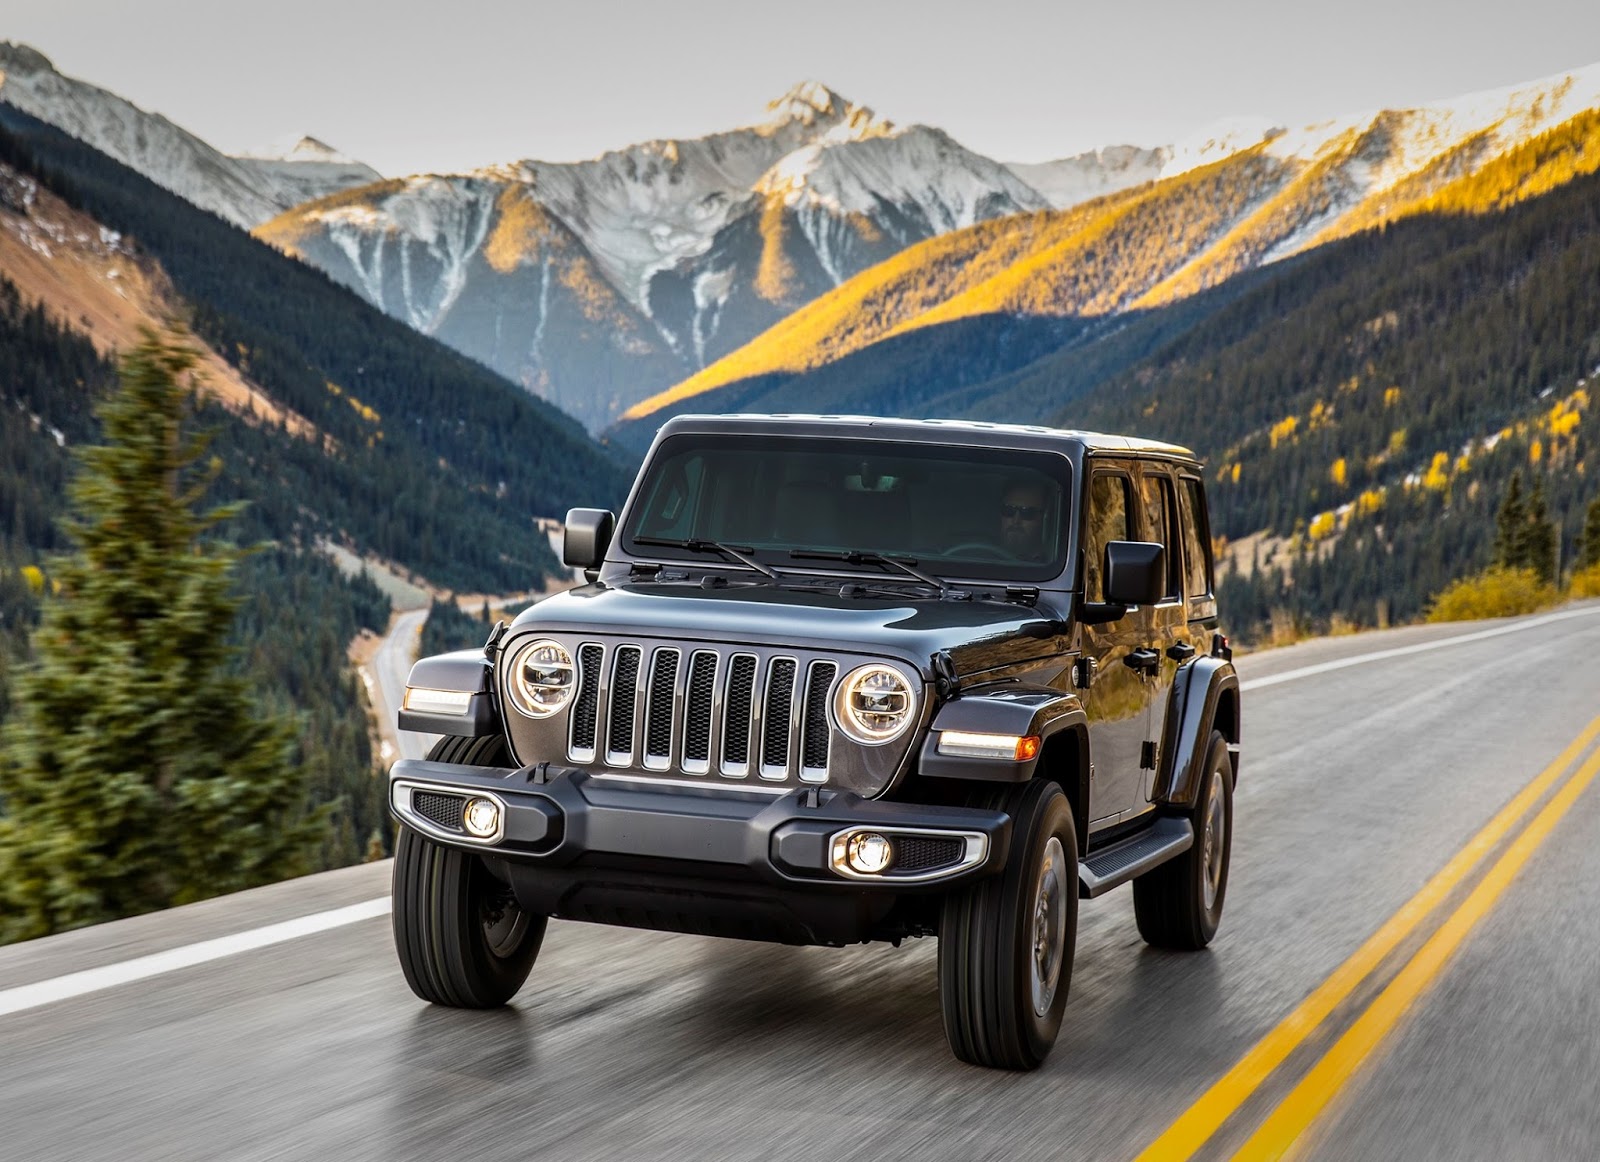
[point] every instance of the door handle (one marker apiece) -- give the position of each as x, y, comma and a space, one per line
1143, 659
1181, 652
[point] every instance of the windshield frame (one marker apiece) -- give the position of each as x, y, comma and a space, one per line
1055, 463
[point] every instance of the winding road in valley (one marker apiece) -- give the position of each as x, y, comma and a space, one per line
1407, 968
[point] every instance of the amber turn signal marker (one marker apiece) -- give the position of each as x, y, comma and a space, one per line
1027, 747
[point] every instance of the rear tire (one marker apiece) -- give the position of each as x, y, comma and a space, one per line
462, 938
1179, 904
1006, 942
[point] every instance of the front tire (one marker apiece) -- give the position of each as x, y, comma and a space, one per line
462, 938
1006, 942
1179, 904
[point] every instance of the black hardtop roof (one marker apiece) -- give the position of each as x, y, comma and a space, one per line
977, 432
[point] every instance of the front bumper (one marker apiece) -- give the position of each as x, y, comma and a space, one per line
555, 817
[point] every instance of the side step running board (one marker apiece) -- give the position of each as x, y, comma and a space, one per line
1118, 864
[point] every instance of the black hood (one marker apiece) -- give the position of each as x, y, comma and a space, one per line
909, 626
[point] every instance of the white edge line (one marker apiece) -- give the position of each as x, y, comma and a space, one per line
76, 984
1421, 647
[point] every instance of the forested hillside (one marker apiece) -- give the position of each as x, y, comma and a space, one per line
427, 458
299, 613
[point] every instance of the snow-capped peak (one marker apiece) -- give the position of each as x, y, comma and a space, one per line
23, 60
1220, 139
299, 148
814, 105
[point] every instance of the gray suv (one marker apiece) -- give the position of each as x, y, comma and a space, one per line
841, 679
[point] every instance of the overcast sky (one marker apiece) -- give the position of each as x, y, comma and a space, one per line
454, 85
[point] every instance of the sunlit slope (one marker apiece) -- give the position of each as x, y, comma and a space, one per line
1193, 230
886, 297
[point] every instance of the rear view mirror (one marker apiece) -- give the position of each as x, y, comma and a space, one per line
587, 537
1136, 572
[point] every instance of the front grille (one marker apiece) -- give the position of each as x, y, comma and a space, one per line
588, 701
702, 711
658, 716
624, 695
736, 720
814, 739
697, 710
914, 853
444, 810
775, 728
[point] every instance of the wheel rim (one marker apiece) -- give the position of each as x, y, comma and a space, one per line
1214, 842
504, 923
1049, 927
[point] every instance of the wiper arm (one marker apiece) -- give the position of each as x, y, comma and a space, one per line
700, 546
856, 557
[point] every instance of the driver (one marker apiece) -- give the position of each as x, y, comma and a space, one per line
1022, 508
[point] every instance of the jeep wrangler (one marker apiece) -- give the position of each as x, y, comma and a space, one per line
842, 679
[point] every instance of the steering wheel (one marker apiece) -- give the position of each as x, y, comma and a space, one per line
995, 552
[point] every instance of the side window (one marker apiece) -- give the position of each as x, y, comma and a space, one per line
1109, 506
1196, 539
1160, 508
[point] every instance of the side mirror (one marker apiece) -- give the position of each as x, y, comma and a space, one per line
587, 537
1136, 572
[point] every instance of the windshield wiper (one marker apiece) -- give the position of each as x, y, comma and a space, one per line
700, 546
856, 557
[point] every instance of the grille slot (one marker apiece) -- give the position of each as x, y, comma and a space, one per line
736, 716
814, 728
776, 719
658, 711
585, 707
697, 709
442, 810
624, 697
914, 853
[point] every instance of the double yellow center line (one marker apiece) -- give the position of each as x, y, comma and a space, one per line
1297, 1111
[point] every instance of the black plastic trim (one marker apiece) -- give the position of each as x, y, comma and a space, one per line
1191, 713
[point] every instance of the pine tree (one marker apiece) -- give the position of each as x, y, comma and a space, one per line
1509, 543
1589, 553
135, 773
1539, 537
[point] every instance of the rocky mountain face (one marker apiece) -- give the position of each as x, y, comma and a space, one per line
1234, 199
242, 190
597, 283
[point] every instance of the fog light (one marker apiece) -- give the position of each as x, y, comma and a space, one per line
868, 853
481, 817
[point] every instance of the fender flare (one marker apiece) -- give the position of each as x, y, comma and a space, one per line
1205, 696
462, 672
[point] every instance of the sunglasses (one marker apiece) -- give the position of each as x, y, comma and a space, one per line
1025, 511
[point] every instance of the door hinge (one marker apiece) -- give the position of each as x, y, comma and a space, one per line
1147, 756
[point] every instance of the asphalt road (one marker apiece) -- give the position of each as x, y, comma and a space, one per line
1359, 783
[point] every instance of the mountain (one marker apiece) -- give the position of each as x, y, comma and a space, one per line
1362, 405
1237, 198
595, 283
307, 169
1073, 180
364, 432
242, 190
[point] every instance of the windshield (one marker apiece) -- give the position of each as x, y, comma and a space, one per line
966, 512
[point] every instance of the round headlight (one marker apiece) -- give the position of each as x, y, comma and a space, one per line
875, 704
542, 679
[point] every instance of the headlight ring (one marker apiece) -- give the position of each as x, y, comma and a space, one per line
875, 704
542, 678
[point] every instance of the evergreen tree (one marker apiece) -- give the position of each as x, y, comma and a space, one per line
1539, 537
1589, 552
135, 774
1509, 542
